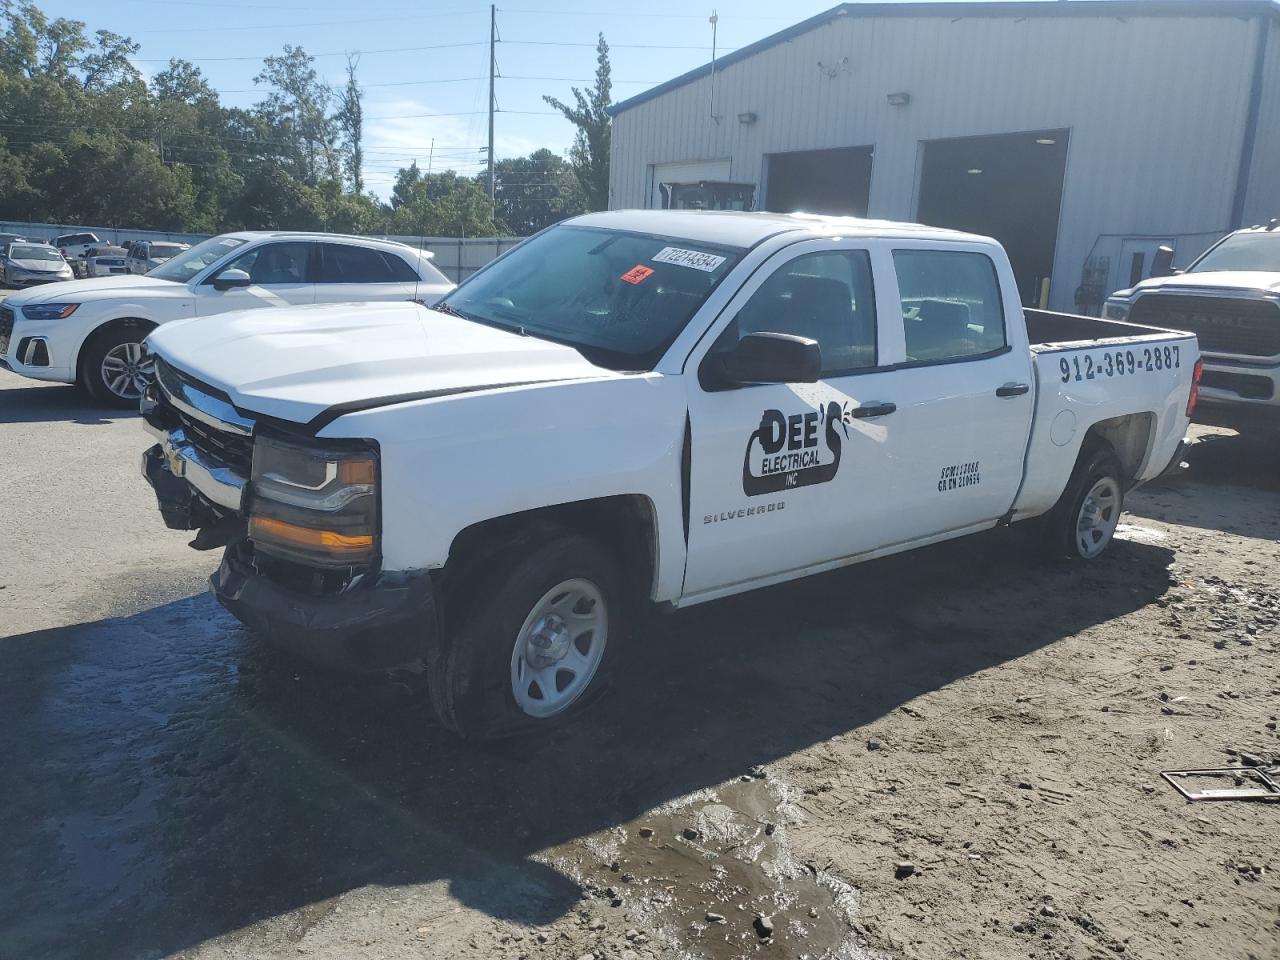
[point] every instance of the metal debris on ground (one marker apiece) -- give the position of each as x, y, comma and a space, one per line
1265, 780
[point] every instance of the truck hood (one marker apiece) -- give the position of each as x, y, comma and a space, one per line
102, 288
309, 364
1264, 282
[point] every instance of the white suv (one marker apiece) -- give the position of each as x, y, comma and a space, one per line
91, 331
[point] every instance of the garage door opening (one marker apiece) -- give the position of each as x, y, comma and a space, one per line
820, 181
1007, 186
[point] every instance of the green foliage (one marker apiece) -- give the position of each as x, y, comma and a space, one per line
590, 114
84, 139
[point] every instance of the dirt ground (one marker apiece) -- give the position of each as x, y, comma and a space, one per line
951, 753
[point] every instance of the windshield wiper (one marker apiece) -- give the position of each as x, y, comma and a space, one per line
450, 309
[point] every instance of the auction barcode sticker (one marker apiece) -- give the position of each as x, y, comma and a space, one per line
696, 259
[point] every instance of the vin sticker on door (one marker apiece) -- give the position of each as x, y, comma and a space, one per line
696, 259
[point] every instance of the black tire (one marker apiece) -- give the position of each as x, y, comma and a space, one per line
1097, 463
94, 352
471, 680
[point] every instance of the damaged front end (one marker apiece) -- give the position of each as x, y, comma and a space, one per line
200, 467
300, 520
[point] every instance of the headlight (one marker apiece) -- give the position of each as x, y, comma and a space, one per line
49, 311
315, 504
1115, 310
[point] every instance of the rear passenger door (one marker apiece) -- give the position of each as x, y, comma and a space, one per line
350, 273
962, 387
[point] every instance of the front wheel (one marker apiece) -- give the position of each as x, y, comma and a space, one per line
113, 367
531, 642
1083, 522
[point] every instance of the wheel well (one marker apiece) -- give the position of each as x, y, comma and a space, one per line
105, 330
624, 524
1129, 436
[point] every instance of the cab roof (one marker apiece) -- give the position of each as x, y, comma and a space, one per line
733, 228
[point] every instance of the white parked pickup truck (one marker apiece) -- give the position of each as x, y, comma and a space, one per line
637, 407
91, 331
1229, 297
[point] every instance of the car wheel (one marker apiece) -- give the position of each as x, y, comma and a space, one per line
113, 368
1083, 523
531, 642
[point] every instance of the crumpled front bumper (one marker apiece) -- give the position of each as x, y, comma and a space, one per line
383, 621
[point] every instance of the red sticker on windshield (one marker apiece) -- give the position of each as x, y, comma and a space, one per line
637, 274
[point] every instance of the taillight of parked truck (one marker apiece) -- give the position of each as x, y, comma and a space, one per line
1195, 387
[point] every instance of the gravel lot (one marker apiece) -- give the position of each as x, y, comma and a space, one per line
952, 753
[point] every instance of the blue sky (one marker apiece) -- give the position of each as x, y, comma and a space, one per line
410, 95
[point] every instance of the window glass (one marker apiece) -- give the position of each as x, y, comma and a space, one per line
274, 263
401, 272
827, 297
619, 297
950, 303
20, 251
1243, 251
190, 262
343, 263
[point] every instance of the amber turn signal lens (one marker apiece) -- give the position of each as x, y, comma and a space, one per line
270, 530
352, 472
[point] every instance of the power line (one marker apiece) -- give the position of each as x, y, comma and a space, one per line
338, 53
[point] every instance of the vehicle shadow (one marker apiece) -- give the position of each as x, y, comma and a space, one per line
52, 403
169, 781
1230, 486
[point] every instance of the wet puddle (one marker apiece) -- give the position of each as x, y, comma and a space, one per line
713, 876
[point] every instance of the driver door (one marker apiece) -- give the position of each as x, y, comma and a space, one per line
785, 476
280, 274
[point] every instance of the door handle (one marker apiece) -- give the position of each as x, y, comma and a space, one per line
873, 410
1013, 390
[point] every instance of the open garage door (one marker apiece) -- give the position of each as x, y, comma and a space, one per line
1007, 186
820, 181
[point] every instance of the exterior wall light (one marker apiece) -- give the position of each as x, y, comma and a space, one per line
746, 118
899, 99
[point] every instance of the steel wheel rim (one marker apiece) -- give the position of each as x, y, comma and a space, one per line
126, 370
1099, 514
559, 648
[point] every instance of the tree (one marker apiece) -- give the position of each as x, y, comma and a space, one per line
536, 191
298, 112
590, 114
439, 204
351, 122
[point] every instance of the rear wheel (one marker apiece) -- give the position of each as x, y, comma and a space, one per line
530, 642
113, 367
1083, 523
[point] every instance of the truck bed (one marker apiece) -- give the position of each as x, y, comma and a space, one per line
1052, 330
1132, 379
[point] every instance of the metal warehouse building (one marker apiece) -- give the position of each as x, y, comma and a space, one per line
1081, 133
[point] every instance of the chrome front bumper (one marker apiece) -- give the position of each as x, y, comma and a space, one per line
216, 483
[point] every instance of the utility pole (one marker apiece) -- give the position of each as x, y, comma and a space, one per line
493, 69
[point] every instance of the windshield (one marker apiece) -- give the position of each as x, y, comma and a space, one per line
162, 251
619, 297
20, 252
1243, 251
187, 264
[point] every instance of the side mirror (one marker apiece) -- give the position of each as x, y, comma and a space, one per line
769, 358
1162, 262
231, 278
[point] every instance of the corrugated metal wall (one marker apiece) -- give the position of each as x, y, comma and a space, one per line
1262, 202
1156, 109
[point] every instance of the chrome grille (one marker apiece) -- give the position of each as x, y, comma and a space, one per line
1222, 324
229, 449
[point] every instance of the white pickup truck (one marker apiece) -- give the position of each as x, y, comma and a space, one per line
1229, 297
637, 407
